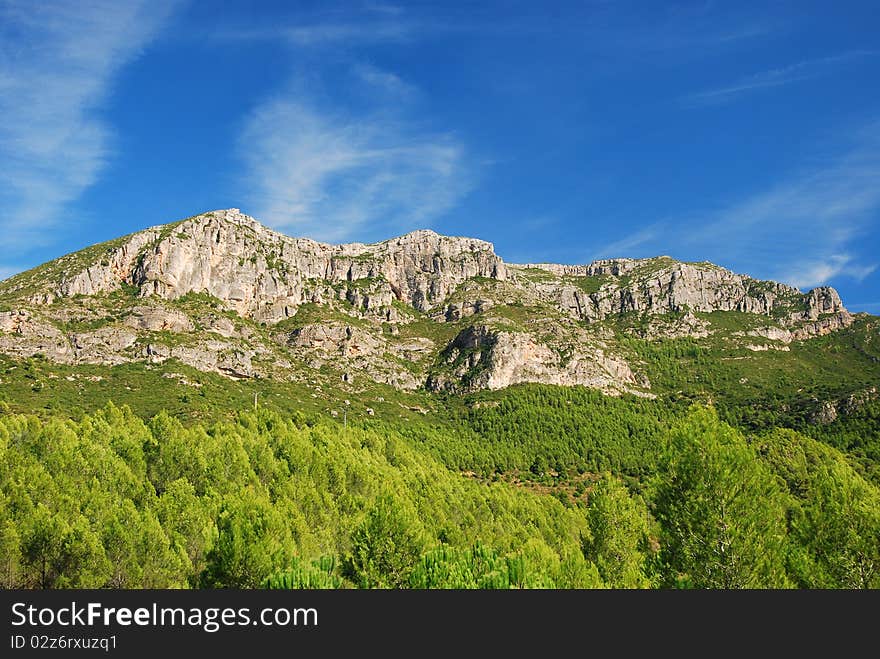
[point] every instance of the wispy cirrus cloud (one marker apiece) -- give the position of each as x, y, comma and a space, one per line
334, 175
383, 8
826, 268
57, 62
383, 81
320, 34
374, 27
357, 167
806, 230
626, 245
803, 70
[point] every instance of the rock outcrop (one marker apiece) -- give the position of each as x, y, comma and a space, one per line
662, 285
24, 334
265, 275
484, 358
159, 318
221, 293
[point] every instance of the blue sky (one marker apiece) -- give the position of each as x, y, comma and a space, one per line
743, 133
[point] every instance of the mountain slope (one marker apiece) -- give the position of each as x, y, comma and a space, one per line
221, 293
411, 389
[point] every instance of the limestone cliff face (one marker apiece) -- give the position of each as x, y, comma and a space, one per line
662, 286
265, 275
481, 357
222, 293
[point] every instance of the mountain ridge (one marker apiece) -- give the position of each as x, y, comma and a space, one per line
234, 216
221, 292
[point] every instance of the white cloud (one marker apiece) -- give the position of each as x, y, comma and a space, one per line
57, 61
625, 246
383, 8
337, 155
371, 27
333, 176
810, 274
777, 77
326, 34
805, 230
384, 81
538, 223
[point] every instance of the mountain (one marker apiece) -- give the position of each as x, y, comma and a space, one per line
221, 293
210, 403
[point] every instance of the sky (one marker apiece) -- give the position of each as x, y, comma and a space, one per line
746, 134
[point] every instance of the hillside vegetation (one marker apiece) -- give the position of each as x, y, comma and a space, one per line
269, 500
210, 403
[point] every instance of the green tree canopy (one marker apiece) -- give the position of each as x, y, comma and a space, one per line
619, 535
385, 547
721, 510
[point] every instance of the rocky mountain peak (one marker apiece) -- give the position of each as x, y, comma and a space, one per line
263, 274
221, 292
223, 220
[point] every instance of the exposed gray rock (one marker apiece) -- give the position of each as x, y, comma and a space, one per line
24, 335
481, 357
229, 359
413, 349
159, 318
763, 347
822, 326
770, 332
662, 285
352, 348
346, 340
858, 400
223, 326
112, 269
455, 311
113, 303
825, 413
106, 345
823, 300
828, 411
265, 275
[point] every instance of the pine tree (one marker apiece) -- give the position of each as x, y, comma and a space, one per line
385, 547
721, 510
619, 534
